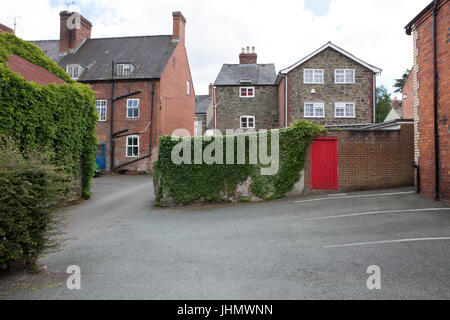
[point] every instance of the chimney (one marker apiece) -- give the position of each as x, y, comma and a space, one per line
248, 56
210, 90
74, 29
179, 27
395, 104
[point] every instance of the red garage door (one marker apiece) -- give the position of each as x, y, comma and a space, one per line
324, 164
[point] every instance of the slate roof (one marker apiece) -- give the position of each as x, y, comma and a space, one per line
258, 74
50, 48
202, 103
149, 55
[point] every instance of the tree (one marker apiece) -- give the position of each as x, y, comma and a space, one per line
384, 103
400, 83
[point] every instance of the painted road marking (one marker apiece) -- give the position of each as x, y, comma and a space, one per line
358, 244
375, 212
360, 196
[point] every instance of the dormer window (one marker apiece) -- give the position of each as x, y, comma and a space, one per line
74, 71
246, 81
124, 69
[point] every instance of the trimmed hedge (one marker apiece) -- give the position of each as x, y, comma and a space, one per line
31, 191
187, 183
59, 119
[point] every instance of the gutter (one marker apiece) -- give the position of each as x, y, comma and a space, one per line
285, 100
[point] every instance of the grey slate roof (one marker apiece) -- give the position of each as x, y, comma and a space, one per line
202, 104
50, 48
149, 55
258, 74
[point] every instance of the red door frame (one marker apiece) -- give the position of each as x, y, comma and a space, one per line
324, 164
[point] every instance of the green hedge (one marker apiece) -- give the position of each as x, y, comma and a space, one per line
31, 191
59, 119
187, 183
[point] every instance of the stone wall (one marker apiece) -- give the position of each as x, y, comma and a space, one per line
361, 92
230, 107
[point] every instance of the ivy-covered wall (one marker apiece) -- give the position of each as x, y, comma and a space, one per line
180, 184
59, 119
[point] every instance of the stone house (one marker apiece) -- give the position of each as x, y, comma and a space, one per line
431, 96
143, 87
245, 95
329, 87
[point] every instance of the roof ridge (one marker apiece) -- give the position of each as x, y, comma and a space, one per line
106, 38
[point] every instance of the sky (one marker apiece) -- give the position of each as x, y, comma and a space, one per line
282, 31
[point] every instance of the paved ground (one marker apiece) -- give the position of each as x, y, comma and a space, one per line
317, 247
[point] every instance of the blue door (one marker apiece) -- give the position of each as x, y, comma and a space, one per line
100, 155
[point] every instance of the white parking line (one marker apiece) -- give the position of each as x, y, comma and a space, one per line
375, 212
360, 196
357, 244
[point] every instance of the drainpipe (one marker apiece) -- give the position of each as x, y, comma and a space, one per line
286, 101
151, 117
374, 98
215, 109
435, 98
111, 138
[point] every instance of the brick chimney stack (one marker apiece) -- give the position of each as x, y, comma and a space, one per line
179, 27
395, 104
74, 29
247, 56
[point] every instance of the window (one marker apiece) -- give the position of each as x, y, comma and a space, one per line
188, 88
247, 92
132, 147
313, 76
344, 76
133, 108
198, 127
124, 69
344, 110
73, 70
101, 109
247, 122
314, 110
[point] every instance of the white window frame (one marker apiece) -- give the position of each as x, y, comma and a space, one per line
188, 88
70, 70
133, 146
343, 106
121, 67
133, 107
247, 118
246, 90
316, 106
314, 72
102, 109
345, 76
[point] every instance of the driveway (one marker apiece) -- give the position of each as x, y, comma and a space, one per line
316, 247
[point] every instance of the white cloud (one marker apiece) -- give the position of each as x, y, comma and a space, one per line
283, 31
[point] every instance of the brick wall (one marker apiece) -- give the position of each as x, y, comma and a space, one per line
230, 107
408, 98
424, 109
361, 92
71, 38
121, 122
372, 159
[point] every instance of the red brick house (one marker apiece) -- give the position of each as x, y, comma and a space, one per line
431, 83
329, 87
143, 87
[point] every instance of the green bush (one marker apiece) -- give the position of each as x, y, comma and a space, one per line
31, 192
59, 119
187, 183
